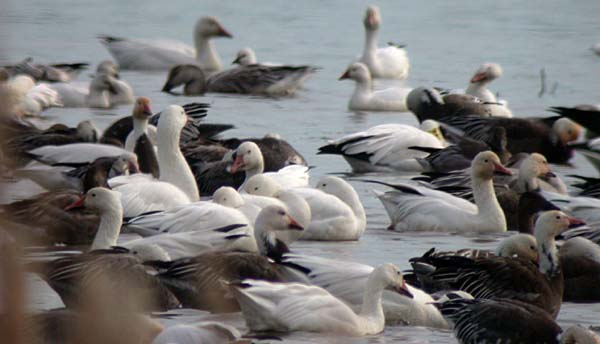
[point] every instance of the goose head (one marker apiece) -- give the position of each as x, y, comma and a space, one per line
335, 186
142, 109
173, 118
245, 57
108, 67
208, 27
433, 127
101, 83
566, 130
424, 101
519, 245
262, 185
276, 217
552, 223
101, 199
124, 164
247, 157
228, 196
358, 72
189, 75
150, 252
485, 164
534, 166
372, 20
486, 73
388, 276
87, 131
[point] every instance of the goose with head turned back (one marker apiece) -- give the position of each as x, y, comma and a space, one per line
299, 307
336, 212
390, 62
410, 207
366, 99
485, 74
73, 276
140, 54
501, 277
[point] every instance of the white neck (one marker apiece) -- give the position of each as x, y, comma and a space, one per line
372, 311
265, 238
351, 199
370, 44
549, 262
258, 168
489, 209
109, 228
140, 127
480, 90
207, 55
97, 99
172, 165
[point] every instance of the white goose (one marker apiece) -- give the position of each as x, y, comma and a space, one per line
414, 208
336, 212
366, 99
141, 54
347, 280
298, 307
478, 87
33, 99
389, 62
122, 91
77, 153
248, 157
141, 113
176, 186
95, 94
246, 56
386, 147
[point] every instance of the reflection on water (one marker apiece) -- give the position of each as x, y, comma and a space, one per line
446, 41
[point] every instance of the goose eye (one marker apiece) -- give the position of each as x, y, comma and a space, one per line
93, 195
248, 152
486, 160
532, 247
135, 252
256, 188
397, 272
282, 213
558, 217
324, 185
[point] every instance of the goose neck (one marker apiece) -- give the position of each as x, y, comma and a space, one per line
370, 43
549, 262
172, 165
371, 306
257, 167
109, 228
487, 204
140, 126
206, 54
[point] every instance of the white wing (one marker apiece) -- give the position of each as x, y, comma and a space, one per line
141, 54
77, 152
138, 197
394, 62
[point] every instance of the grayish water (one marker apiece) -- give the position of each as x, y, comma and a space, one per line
446, 41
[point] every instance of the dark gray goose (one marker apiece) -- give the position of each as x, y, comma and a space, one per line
251, 79
121, 270
501, 277
197, 281
59, 72
580, 259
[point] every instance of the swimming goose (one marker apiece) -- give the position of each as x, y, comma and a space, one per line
430, 103
75, 277
248, 157
389, 62
336, 212
205, 332
547, 136
366, 99
251, 79
298, 307
413, 208
514, 278
144, 54
580, 259
96, 94
384, 148
246, 56
176, 185
60, 72
346, 281
122, 91
31, 98
197, 281
485, 74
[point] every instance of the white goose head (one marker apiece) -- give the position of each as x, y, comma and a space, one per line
228, 196
486, 73
566, 130
172, 120
269, 221
108, 67
142, 109
372, 20
519, 245
388, 276
210, 27
248, 157
102, 83
245, 57
87, 131
358, 72
262, 185
485, 164
547, 227
534, 166
150, 252
101, 199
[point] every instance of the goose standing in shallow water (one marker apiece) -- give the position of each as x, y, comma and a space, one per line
413, 208
366, 99
390, 62
298, 307
140, 54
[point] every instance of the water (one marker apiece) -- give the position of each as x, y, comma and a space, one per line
446, 42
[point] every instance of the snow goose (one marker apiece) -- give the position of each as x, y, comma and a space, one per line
485, 74
246, 56
548, 136
176, 185
429, 103
298, 307
140, 115
251, 79
248, 157
75, 277
336, 212
197, 281
383, 148
366, 99
584, 114
121, 93
501, 277
389, 62
415, 208
580, 260
32, 98
349, 283
141, 54
60, 72
206, 332
96, 94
